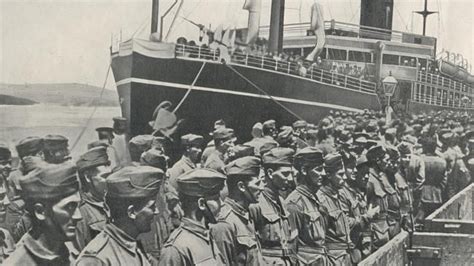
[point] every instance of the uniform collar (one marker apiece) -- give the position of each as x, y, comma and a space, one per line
89, 198
305, 191
237, 208
375, 173
195, 228
328, 190
270, 194
121, 237
33, 246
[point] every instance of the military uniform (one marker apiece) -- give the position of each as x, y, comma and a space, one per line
113, 246
311, 220
378, 197
354, 205
235, 235
192, 243
7, 244
93, 221
30, 252
277, 233
434, 185
338, 240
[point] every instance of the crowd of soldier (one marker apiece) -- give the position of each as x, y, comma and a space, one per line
326, 194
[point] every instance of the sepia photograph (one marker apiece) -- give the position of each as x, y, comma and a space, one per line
237, 132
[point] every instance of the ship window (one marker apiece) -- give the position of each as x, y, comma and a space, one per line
337, 54
408, 61
422, 62
360, 57
389, 59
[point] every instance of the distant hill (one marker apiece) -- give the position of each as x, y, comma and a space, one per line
12, 100
71, 94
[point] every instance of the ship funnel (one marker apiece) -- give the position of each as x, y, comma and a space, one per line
253, 7
317, 28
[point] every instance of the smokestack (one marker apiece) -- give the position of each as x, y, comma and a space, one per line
275, 43
253, 7
377, 14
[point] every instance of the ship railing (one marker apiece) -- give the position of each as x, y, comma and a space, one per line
336, 27
441, 81
282, 66
439, 101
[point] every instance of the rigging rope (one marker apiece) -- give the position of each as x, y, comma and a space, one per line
93, 111
190, 88
264, 92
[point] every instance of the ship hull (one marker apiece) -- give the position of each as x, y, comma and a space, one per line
220, 93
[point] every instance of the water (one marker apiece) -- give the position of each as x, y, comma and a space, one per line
18, 122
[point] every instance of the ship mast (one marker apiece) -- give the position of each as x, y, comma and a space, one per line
425, 13
275, 42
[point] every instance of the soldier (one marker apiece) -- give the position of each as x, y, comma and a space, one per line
192, 150
191, 243
354, 204
130, 198
93, 167
300, 130
106, 137
224, 140
379, 191
30, 153
51, 194
161, 227
397, 207
55, 149
138, 145
277, 234
120, 142
234, 232
406, 196
341, 250
7, 244
435, 180
269, 129
305, 209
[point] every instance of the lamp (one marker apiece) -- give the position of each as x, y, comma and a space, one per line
389, 84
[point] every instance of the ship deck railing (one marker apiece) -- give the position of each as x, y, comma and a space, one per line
281, 66
440, 101
438, 80
336, 28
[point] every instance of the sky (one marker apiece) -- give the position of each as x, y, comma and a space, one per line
56, 41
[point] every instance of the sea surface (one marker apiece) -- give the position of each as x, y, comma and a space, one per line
18, 122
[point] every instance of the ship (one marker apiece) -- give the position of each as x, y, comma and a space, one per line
332, 66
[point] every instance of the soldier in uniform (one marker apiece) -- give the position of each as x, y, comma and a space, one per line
341, 250
234, 232
93, 168
277, 234
106, 137
354, 205
55, 149
51, 194
30, 153
191, 243
130, 198
379, 192
305, 209
192, 150
269, 129
300, 131
7, 244
138, 145
435, 180
224, 140
397, 204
